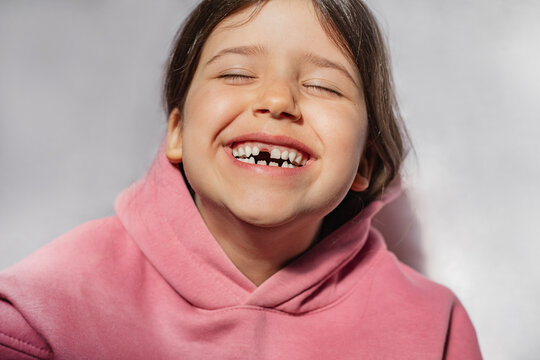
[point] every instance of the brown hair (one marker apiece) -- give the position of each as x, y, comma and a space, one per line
354, 29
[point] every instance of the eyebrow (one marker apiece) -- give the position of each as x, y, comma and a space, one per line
240, 50
325, 63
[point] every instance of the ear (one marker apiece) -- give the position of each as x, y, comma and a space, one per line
174, 137
363, 176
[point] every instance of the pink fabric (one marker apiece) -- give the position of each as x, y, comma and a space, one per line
152, 283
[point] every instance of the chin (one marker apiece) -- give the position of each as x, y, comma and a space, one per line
264, 216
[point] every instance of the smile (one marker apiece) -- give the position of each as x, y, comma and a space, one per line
269, 155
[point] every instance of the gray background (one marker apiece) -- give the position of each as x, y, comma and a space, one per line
81, 118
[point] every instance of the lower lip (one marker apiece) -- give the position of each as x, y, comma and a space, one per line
266, 169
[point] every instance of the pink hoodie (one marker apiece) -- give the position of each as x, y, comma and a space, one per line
152, 283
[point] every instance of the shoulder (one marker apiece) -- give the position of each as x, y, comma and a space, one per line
86, 245
92, 235
56, 284
83, 258
409, 285
418, 305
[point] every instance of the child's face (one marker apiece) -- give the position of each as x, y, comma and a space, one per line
262, 84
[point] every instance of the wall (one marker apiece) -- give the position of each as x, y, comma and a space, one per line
80, 119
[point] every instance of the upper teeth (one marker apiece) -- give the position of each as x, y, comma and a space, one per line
248, 152
292, 156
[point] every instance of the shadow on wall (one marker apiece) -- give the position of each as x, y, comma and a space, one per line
399, 225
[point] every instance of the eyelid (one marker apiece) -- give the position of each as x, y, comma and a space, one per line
322, 86
236, 72
232, 75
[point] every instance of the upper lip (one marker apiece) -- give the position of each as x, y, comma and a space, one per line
281, 140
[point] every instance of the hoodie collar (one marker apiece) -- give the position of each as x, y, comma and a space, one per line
161, 217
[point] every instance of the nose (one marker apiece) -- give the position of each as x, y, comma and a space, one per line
277, 99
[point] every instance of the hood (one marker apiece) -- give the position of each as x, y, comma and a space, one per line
161, 217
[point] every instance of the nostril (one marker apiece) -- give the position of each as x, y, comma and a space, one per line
289, 115
278, 114
279, 111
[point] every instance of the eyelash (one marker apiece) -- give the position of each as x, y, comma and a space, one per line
324, 89
236, 77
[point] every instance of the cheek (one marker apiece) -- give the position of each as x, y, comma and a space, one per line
214, 105
342, 129
344, 134
207, 116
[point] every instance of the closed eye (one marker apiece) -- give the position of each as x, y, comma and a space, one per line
323, 89
236, 78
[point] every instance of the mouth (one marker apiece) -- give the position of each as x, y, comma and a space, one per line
270, 150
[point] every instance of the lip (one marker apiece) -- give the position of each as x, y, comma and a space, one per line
281, 140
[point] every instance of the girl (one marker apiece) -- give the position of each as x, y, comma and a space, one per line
250, 235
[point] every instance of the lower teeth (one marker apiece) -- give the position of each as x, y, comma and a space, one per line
251, 160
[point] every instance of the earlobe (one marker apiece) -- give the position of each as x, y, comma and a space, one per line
363, 176
174, 137
360, 183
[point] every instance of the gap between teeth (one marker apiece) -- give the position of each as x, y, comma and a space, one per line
291, 159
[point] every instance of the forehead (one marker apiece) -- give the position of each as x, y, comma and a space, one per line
288, 27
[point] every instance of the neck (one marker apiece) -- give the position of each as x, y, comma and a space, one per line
258, 252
